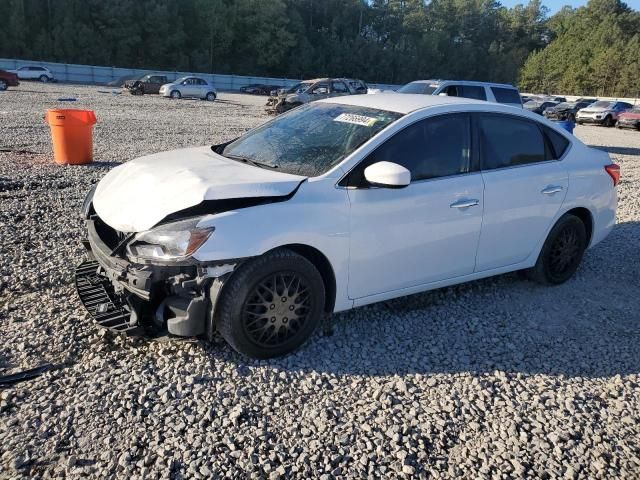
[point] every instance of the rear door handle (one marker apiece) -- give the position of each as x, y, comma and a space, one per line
465, 203
551, 189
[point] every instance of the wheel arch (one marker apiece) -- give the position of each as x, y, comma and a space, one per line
322, 263
585, 215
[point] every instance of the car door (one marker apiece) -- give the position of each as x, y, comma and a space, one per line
319, 91
524, 188
188, 89
427, 231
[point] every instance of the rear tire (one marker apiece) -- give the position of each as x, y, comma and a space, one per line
176, 94
271, 304
44, 79
561, 253
3, 85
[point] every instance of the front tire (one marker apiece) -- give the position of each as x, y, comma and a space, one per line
210, 97
3, 85
271, 304
44, 79
561, 253
608, 121
176, 94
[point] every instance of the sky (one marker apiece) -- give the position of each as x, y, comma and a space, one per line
555, 5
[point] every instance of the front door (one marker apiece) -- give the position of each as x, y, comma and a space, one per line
427, 231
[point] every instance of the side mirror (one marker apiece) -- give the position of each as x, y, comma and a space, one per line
387, 175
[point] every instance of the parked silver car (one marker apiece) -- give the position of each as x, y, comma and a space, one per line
189, 87
491, 92
604, 112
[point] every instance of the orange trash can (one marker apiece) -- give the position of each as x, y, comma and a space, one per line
72, 135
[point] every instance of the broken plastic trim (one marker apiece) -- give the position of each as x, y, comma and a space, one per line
24, 375
212, 207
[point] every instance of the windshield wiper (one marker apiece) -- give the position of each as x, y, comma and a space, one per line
250, 162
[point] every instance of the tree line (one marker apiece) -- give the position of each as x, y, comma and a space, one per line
385, 41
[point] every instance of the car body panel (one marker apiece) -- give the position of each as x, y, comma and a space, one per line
413, 233
511, 228
135, 196
9, 78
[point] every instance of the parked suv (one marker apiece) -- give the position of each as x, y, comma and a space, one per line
604, 112
491, 92
566, 110
311, 90
146, 84
8, 79
194, 87
34, 73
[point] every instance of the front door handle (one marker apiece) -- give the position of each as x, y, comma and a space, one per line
465, 203
551, 189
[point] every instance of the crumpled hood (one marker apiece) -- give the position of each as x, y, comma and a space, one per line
135, 196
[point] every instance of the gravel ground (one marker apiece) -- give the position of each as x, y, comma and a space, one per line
498, 378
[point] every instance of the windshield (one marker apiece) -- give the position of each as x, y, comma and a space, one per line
300, 87
602, 104
565, 105
181, 79
419, 87
634, 110
311, 139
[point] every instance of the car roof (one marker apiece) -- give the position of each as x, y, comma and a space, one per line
402, 103
467, 82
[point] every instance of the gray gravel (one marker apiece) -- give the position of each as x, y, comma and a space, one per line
498, 378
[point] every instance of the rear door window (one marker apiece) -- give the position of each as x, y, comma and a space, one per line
508, 141
558, 143
506, 95
339, 87
472, 91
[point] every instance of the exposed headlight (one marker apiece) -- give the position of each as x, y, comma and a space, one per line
171, 242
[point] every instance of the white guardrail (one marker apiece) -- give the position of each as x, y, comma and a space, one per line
89, 74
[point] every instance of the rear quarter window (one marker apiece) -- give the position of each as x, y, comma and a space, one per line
558, 143
506, 95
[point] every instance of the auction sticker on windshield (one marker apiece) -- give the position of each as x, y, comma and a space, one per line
356, 119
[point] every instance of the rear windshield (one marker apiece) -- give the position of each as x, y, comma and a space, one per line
419, 87
311, 139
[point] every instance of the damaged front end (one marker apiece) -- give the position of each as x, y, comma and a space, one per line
137, 298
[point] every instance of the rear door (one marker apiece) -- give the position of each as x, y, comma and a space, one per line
339, 89
524, 188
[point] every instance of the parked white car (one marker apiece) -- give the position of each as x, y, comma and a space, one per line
29, 72
337, 204
490, 92
602, 112
189, 87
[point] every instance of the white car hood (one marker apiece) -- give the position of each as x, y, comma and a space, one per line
595, 110
135, 196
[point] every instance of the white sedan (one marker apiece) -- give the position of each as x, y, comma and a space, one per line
337, 204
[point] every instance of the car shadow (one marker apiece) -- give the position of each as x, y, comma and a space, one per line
587, 327
618, 150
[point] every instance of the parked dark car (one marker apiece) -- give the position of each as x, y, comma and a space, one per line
566, 110
8, 79
539, 107
146, 84
259, 89
629, 119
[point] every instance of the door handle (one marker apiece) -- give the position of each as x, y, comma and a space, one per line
551, 189
465, 203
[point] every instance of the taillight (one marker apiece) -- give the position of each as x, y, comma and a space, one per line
614, 172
